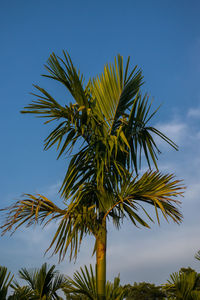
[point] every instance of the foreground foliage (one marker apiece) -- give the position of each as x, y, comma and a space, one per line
46, 284
144, 291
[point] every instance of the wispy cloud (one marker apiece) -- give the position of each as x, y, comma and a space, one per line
175, 130
168, 250
194, 112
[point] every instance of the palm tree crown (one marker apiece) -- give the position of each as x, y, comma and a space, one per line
42, 284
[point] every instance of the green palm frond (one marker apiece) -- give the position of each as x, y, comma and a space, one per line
5, 281
73, 223
84, 284
64, 71
22, 293
197, 255
152, 188
141, 136
29, 277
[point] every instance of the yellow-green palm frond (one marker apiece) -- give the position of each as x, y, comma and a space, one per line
65, 72
114, 91
154, 188
73, 223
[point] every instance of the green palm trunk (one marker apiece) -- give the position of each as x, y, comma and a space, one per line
101, 240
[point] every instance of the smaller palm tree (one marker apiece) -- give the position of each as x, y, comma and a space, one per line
43, 284
183, 285
5, 281
197, 255
84, 286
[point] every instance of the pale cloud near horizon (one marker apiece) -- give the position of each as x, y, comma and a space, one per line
194, 112
162, 248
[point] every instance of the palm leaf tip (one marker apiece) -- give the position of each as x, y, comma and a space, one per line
197, 255
73, 222
153, 188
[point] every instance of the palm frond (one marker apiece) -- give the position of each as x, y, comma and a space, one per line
141, 136
113, 92
5, 281
22, 293
197, 255
73, 223
64, 71
152, 188
84, 284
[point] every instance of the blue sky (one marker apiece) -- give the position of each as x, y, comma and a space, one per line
163, 38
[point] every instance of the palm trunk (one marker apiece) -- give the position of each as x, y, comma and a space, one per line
101, 261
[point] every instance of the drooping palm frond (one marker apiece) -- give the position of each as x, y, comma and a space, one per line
141, 136
5, 281
73, 223
134, 195
81, 216
152, 188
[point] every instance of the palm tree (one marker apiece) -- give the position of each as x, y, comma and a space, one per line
5, 281
42, 284
107, 132
183, 285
